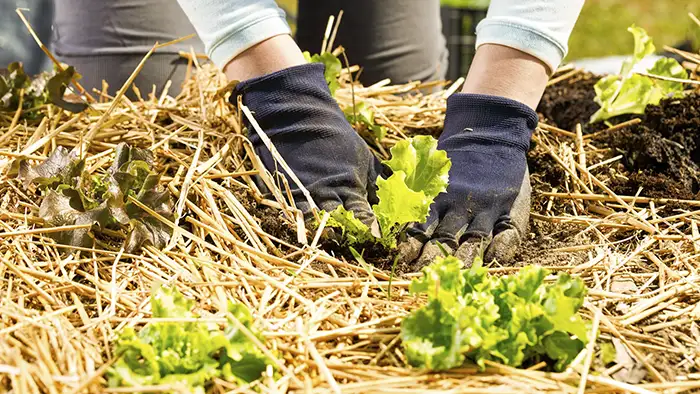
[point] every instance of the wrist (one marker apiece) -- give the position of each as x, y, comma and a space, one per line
272, 55
498, 70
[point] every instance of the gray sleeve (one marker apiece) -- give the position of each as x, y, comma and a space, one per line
540, 28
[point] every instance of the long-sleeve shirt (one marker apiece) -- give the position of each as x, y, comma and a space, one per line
538, 27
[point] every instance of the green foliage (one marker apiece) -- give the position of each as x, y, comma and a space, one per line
629, 93
353, 230
420, 173
512, 319
608, 354
189, 354
479, 4
71, 196
42, 89
362, 114
333, 68
643, 47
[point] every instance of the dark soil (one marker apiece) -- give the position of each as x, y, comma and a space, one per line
373, 254
569, 102
660, 155
274, 223
271, 220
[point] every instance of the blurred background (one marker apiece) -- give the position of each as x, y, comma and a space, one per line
600, 32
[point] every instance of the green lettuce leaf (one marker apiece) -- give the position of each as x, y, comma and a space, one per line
668, 67
188, 354
431, 338
420, 173
630, 93
333, 68
425, 166
399, 204
513, 319
643, 47
352, 228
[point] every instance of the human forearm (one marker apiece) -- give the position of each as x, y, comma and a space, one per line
506, 72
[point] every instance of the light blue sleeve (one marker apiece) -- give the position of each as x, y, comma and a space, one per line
540, 28
229, 27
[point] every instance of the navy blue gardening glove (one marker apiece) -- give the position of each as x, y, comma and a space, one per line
296, 110
487, 203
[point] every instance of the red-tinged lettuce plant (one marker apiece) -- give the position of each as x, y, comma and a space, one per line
71, 196
45, 88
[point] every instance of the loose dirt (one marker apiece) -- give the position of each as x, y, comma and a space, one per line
660, 154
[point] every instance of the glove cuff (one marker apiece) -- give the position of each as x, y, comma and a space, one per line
490, 117
295, 80
295, 100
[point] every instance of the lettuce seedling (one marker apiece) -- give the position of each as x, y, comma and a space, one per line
71, 196
187, 353
420, 173
513, 319
630, 93
333, 68
47, 87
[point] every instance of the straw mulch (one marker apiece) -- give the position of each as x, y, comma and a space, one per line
329, 321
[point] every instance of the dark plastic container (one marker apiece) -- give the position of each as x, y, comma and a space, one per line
459, 29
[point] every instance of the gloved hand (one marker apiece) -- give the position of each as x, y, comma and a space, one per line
296, 110
487, 203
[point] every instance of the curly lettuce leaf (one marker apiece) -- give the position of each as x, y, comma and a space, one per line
630, 93
431, 338
420, 173
668, 67
188, 354
353, 230
643, 47
333, 68
513, 319
71, 196
398, 204
426, 167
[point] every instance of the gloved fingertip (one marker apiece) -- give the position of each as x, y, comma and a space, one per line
503, 246
468, 251
409, 251
431, 251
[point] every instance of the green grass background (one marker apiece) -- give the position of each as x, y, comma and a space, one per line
602, 27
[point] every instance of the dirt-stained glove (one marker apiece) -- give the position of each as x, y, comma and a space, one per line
296, 110
487, 203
